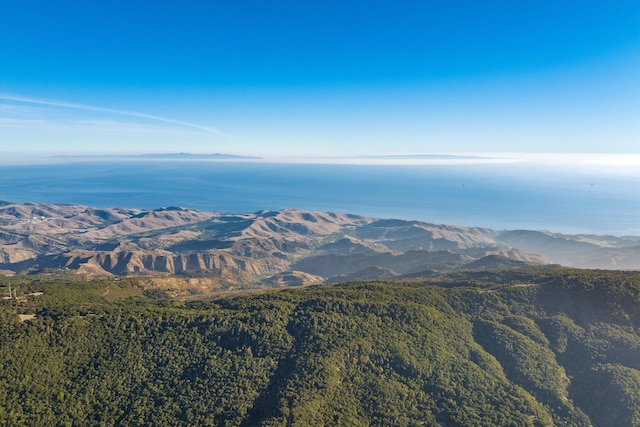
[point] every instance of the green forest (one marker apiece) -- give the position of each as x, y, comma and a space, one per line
523, 347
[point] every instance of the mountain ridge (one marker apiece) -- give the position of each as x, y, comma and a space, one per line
251, 247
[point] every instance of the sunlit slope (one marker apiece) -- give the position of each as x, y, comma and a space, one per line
267, 246
505, 347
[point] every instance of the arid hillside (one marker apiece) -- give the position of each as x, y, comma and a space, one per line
277, 248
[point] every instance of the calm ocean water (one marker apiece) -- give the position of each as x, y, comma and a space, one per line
500, 196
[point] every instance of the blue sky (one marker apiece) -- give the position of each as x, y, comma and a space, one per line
319, 78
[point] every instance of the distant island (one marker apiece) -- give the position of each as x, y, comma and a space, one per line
418, 157
165, 156
224, 156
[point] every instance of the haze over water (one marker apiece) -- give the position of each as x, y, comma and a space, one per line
506, 195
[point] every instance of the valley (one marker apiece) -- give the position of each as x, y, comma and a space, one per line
277, 248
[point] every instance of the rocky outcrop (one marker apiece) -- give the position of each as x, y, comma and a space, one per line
125, 263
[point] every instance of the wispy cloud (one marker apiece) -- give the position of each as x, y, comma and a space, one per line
101, 126
64, 104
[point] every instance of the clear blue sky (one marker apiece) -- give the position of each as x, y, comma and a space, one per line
320, 77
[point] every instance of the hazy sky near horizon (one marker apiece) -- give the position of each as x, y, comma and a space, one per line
320, 78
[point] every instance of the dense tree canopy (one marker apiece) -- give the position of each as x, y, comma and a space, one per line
535, 347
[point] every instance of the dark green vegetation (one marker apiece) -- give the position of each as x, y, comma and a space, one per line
534, 347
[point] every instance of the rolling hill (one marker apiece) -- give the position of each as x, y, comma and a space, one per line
259, 247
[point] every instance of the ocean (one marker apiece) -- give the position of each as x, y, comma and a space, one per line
496, 195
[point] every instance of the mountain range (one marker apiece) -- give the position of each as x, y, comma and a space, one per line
278, 248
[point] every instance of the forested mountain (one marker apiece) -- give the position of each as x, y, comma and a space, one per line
524, 347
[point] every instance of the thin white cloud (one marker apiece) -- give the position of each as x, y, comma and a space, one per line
102, 126
64, 104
